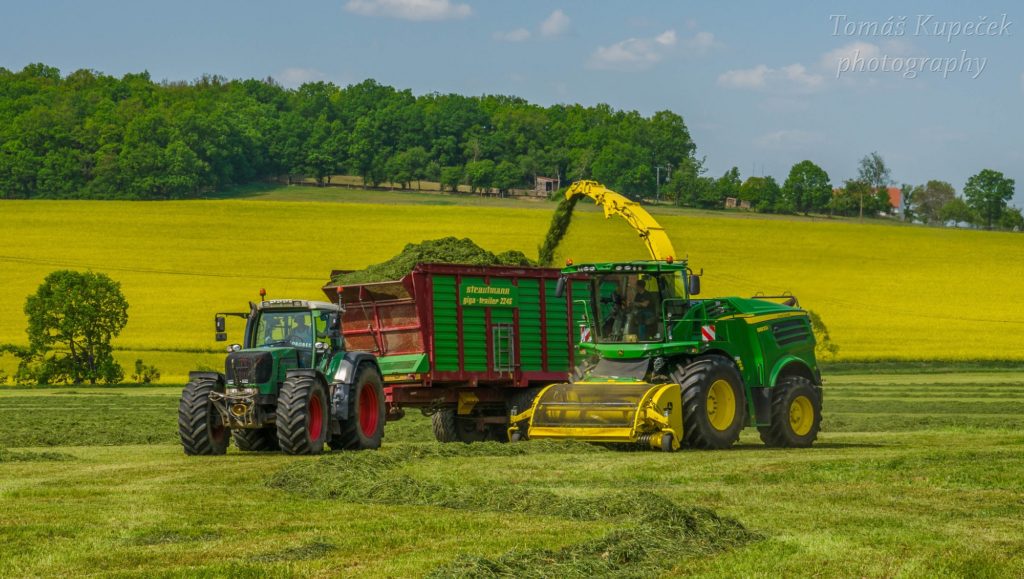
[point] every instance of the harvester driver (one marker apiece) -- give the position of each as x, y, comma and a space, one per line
643, 309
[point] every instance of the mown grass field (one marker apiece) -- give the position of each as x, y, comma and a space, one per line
914, 475
885, 291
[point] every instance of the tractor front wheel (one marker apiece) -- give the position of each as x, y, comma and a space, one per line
256, 439
364, 428
713, 403
302, 416
795, 414
199, 424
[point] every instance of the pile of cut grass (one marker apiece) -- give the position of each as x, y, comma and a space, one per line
444, 250
28, 456
651, 533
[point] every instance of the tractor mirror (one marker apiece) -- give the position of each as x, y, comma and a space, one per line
560, 287
694, 285
218, 323
334, 326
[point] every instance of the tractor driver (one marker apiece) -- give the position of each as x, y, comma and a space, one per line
300, 334
644, 308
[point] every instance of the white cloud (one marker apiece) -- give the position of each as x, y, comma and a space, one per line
701, 42
747, 78
292, 77
633, 53
555, 24
792, 78
410, 9
667, 38
789, 138
517, 35
860, 49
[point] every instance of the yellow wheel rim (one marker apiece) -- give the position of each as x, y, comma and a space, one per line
721, 405
801, 415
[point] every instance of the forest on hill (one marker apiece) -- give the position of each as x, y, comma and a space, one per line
90, 135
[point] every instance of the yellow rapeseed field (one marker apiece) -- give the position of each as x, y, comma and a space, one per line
885, 291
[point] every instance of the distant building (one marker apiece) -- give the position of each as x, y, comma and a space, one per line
545, 186
896, 200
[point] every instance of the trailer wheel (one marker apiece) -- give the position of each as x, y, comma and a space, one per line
200, 426
256, 439
302, 416
795, 414
713, 403
520, 402
450, 427
365, 427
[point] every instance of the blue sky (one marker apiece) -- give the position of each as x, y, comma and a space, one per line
761, 85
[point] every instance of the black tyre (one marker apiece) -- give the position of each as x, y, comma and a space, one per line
520, 402
302, 416
364, 428
450, 427
714, 406
200, 426
256, 439
795, 414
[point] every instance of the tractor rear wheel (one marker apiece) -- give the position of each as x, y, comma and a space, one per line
199, 424
713, 403
256, 439
795, 414
302, 416
364, 428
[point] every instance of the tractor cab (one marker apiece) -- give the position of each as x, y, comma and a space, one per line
282, 335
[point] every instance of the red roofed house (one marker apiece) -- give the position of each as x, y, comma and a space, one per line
896, 200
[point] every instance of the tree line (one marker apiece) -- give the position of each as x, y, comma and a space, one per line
808, 189
90, 135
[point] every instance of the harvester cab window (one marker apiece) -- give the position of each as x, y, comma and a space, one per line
629, 306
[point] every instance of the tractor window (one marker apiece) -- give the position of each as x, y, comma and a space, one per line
320, 320
629, 306
284, 329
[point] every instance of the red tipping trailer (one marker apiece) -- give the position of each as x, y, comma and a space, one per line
462, 343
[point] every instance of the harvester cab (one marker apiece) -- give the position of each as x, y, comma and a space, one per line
660, 367
290, 385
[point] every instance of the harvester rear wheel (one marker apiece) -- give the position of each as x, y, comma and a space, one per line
795, 414
713, 403
302, 416
199, 424
364, 428
256, 439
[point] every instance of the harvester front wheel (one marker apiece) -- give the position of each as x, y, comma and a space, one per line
256, 439
199, 424
364, 428
302, 416
713, 403
795, 414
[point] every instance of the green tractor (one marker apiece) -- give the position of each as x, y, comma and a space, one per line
290, 386
663, 368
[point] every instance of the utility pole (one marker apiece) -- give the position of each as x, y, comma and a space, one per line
657, 178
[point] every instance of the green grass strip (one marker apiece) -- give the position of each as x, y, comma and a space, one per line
651, 533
